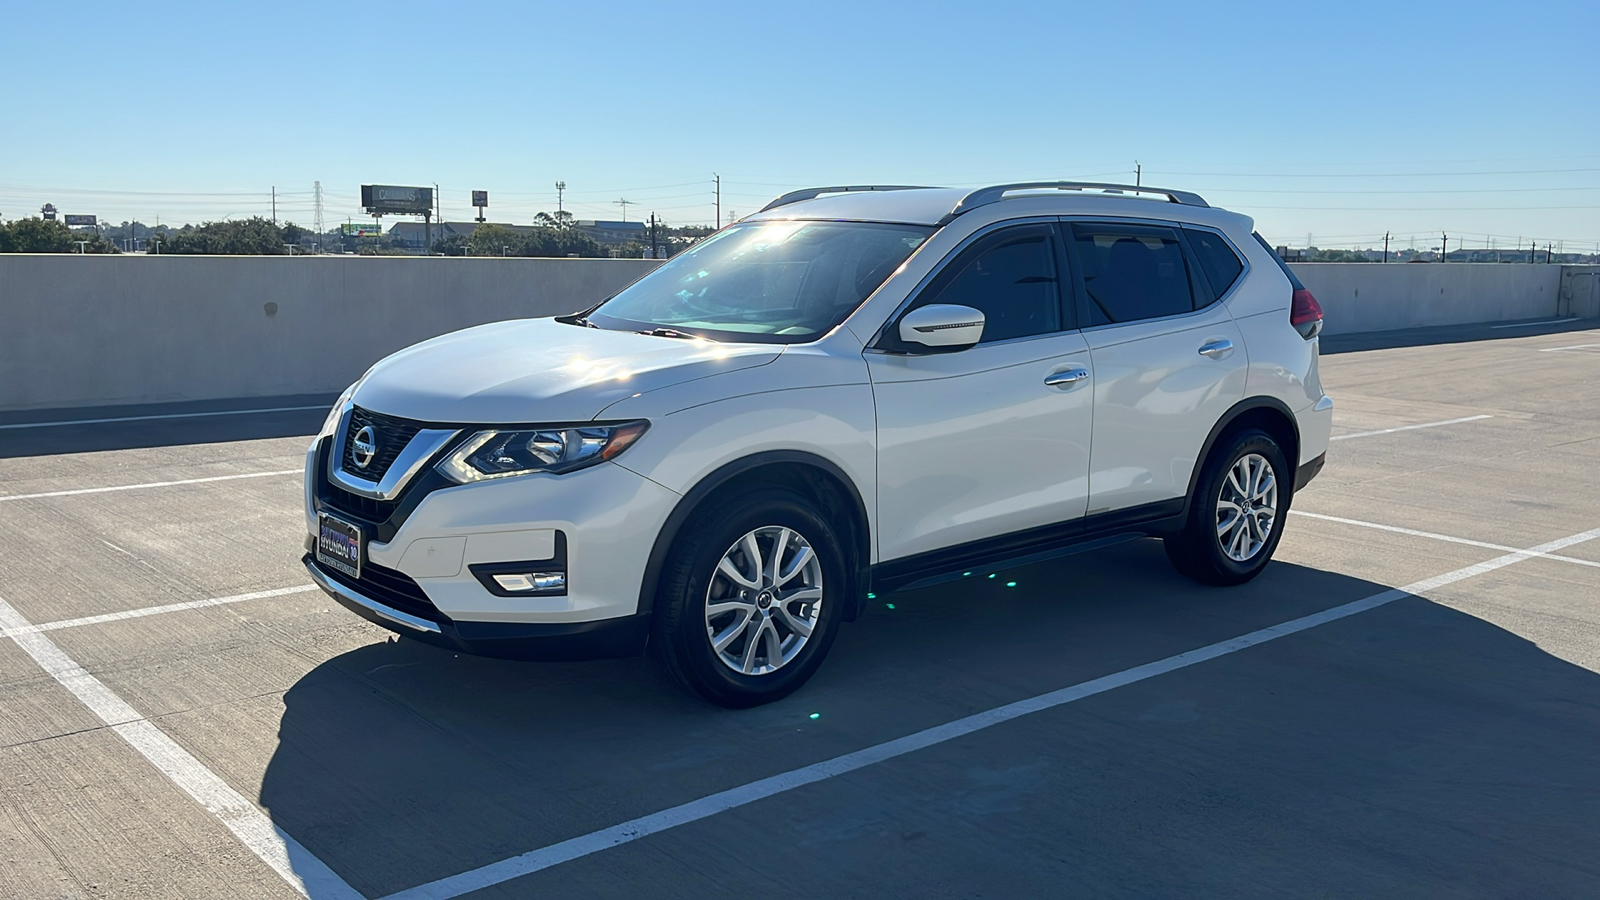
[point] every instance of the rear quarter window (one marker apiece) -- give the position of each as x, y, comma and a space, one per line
1279, 260
1218, 260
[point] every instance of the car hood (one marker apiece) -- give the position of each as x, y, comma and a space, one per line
540, 370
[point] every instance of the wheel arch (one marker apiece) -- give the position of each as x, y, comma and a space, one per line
797, 470
1267, 413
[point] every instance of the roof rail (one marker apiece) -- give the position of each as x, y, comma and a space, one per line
996, 193
813, 193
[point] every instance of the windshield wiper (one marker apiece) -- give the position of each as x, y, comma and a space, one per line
576, 320
669, 332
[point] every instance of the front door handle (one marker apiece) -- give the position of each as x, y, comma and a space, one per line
1066, 378
1218, 349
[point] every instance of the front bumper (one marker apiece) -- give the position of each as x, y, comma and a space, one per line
624, 636
431, 552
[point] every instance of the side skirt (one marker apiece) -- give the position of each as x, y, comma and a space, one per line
1029, 546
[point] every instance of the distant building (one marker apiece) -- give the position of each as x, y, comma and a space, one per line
614, 232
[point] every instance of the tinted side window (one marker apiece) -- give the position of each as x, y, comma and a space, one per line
1011, 277
1279, 260
1132, 272
1217, 259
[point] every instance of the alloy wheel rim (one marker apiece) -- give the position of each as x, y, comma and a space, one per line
1247, 507
764, 600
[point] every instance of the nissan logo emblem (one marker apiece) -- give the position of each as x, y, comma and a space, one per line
363, 447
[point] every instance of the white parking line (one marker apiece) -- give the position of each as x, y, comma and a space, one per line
1537, 324
1346, 437
1583, 347
151, 484
1438, 537
293, 862
695, 810
154, 610
193, 415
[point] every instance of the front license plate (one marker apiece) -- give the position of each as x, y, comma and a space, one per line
339, 544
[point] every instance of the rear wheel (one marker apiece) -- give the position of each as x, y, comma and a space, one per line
1236, 514
749, 600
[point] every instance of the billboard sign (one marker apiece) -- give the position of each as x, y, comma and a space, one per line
380, 199
360, 229
80, 220
48, 211
480, 198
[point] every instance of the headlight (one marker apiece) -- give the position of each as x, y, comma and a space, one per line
501, 454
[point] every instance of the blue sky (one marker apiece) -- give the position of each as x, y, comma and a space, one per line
1338, 120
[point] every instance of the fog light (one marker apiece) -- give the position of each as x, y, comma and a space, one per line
532, 581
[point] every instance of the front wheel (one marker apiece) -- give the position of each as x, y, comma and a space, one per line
1237, 512
749, 600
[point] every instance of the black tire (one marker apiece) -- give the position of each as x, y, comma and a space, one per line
1197, 551
680, 639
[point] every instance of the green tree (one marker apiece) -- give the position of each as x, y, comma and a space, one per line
41, 236
454, 245
558, 219
495, 240
254, 236
498, 240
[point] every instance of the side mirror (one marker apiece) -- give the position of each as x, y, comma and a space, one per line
942, 326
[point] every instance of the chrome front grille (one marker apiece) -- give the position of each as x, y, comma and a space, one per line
390, 434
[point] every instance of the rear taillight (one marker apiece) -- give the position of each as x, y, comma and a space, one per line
1305, 314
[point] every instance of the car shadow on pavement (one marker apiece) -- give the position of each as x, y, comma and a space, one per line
1412, 748
56, 431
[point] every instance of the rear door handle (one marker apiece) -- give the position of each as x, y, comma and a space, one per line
1066, 378
1217, 349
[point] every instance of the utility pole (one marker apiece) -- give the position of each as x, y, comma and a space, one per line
1386, 246
624, 204
718, 179
1138, 174
1444, 249
561, 188
274, 205
654, 253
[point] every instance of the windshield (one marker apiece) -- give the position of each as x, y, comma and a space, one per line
773, 282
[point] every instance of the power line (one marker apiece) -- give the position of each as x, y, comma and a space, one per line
1377, 174
1224, 190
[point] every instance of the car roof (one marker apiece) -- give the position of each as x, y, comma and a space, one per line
915, 206
934, 205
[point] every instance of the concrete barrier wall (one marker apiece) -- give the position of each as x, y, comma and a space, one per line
1359, 297
107, 330
1580, 292
103, 330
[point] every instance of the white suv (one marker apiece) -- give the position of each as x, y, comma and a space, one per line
856, 389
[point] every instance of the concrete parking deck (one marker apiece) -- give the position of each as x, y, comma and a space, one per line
1406, 703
